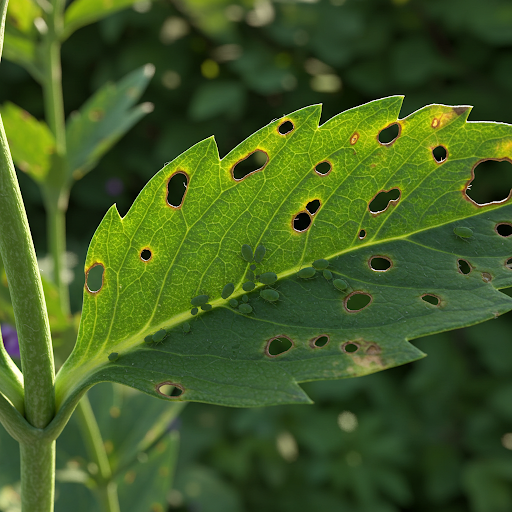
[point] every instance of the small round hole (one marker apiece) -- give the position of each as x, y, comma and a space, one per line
285, 128
94, 278
380, 263
279, 345
389, 134
320, 341
439, 153
362, 234
170, 389
176, 189
312, 206
354, 138
431, 299
323, 168
486, 277
253, 162
464, 267
508, 263
145, 255
357, 301
302, 222
504, 229
350, 347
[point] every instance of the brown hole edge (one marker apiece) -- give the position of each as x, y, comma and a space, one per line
391, 202
431, 295
344, 347
96, 264
284, 121
384, 258
268, 354
325, 173
502, 224
146, 248
169, 383
395, 139
468, 183
313, 341
459, 270
354, 138
245, 158
186, 189
357, 292
439, 162
310, 221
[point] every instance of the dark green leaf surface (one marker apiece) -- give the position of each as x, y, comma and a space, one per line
104, 119
34, 157
196, 249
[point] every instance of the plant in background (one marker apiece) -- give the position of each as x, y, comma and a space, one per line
308, 252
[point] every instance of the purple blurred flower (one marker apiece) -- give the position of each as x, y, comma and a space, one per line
10, 337
114, 186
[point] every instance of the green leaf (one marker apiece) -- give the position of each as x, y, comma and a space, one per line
3, 13
104, 119
84, 12
31, 141
158, 257
21, 15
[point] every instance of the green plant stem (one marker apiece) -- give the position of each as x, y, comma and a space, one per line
56, 191
107, 489
25, 287
37, 475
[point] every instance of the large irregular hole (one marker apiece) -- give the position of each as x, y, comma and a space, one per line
503, 229
302, 222
323, 168
94, 278
170, 389
492, 182
176, 189
279, 345
464, 266
357, 301
145, 255
431, 299
389, 134
312, 206
286, 128
320, 341
439, 153
383, 199
380, 263
255, 161
350, 347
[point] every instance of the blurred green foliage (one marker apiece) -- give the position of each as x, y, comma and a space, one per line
435, 435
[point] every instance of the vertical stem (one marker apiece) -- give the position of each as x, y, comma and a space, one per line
107, 489
56, 192
37, 475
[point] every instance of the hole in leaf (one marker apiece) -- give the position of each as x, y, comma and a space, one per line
176, 189
94, 278
312, 206
286, 128
491, 183
389, 134
464, 266
380, 263
383, 199
170, 389
145, 255
362, 234
302, 222
354, 138
323, 168
357, 301
350, 347
279, 345
439, 153
255, 161
508, 263
486, 277
431, 299
504, 229
320, 341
